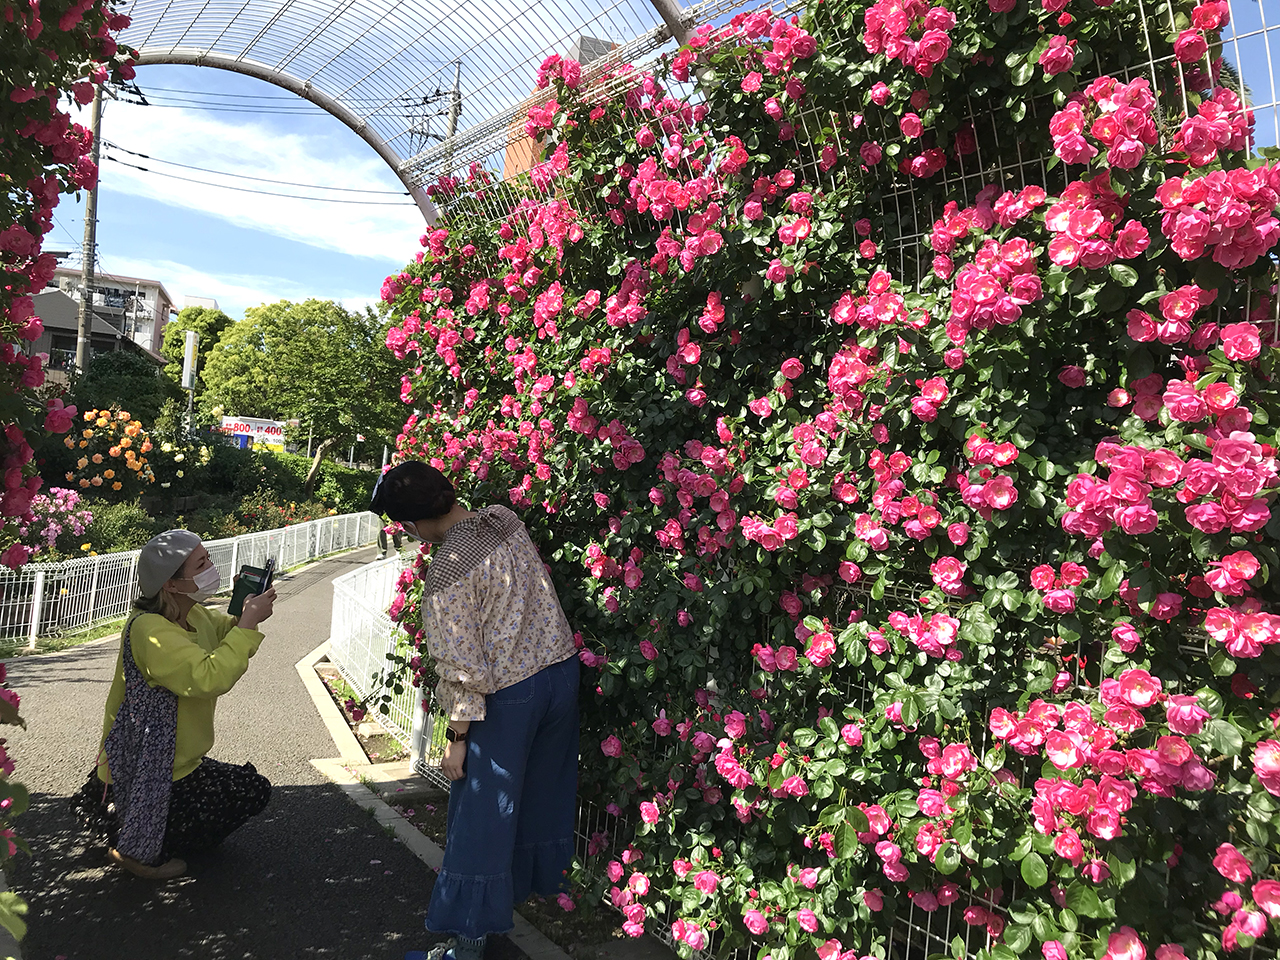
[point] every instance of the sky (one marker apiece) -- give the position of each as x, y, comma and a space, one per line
242, 249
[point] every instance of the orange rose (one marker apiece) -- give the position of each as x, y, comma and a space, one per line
146, 446
84, 483
97, 458
96, 481
102, 421
124, 414
89, 415
117, 485
70, 476
82, 463
86, 434
114, 451
108, 474
69, 442
126, 442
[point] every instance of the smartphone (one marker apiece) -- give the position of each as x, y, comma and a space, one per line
252, 582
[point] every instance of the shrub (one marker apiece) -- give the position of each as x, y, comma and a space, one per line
907, 575
120, 526
60, 521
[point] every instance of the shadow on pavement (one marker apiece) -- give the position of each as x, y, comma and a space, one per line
297, 882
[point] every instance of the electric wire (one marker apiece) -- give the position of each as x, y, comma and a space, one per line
242, 176
265, 193
441, 95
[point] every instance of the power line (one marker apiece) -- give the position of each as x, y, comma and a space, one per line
242, 176
266, 193
312, 112
425, 98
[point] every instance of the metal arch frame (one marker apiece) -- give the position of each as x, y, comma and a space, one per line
304, 89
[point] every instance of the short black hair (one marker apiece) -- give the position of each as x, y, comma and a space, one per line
413, 491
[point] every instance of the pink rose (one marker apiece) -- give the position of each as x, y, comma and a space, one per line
1072, 376
1124, 944
911, 125
755, 922
1231, 863
611, 746
1059, 56
1190, 46
1266, 764
1241, 341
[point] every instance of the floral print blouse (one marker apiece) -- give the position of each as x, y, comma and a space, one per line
491, 614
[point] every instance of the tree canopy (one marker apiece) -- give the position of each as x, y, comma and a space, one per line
313, 361
206, 321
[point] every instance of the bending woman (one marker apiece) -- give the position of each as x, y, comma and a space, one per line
155, 794
509, 688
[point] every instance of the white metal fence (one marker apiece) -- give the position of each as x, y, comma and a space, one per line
50, 599
361, 636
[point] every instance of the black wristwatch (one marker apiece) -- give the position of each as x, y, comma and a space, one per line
452, 735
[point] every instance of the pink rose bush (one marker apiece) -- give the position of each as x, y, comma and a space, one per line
917, 561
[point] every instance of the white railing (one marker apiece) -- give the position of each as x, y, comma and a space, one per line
50, 599
361, 635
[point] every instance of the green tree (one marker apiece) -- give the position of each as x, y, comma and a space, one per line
206, 321
126, 379
315, 362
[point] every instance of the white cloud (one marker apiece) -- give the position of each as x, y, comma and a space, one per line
234, 292
254, 149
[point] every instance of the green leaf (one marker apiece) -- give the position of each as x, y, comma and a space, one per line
1022, 73
1224, 738
1083, 900
948, 859
845, 841
1035, 873
12, 910
1017, 938
1124, 275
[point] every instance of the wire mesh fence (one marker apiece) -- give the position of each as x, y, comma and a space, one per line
53, 599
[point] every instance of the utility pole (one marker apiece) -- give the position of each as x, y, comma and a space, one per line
455, 109
85, 319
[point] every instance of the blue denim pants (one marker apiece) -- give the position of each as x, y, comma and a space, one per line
510, 830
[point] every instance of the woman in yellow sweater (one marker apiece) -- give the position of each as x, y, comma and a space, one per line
155, 794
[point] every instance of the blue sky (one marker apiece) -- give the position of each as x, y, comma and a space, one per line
240, 248
244, 249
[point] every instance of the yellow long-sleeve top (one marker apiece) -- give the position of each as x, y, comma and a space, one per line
199, 665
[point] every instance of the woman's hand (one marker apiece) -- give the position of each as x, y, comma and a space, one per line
455, 755
257, 609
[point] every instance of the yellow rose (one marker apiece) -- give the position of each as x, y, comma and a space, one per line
84, 546
87, 434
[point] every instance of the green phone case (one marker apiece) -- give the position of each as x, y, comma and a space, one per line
251, 583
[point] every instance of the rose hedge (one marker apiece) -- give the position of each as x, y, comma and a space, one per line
907, 573
49, 52
54, 52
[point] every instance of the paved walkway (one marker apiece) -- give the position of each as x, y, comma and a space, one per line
312, 877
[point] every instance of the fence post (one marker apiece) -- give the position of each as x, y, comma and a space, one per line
235, 556
37, 607
93, 587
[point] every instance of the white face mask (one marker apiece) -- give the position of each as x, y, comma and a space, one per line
207, 583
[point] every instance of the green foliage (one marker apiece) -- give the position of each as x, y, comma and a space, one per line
209, 323
345, 488
119, 526
312, 361
124, 379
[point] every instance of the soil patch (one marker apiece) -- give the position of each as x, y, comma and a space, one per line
378, 745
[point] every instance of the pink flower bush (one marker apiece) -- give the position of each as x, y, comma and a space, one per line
824, 503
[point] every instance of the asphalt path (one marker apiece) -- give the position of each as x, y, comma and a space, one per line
311, 877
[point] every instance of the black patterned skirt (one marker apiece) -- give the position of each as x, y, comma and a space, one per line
205, 807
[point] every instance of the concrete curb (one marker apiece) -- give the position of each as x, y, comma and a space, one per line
341, 771
348, 745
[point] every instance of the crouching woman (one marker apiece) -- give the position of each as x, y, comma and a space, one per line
155, 795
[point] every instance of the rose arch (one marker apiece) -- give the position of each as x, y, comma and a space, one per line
400, 74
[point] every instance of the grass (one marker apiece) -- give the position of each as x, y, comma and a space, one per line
18, 648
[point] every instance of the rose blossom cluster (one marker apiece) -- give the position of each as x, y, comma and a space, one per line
1244, 629
1228, 212
936, 636
1116, 115
909, 31
565, 69
1085, 226
1221, 123
993, 288
882, 305
1124, 497
1233, 489
1057, 586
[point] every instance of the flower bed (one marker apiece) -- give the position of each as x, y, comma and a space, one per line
912, 488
